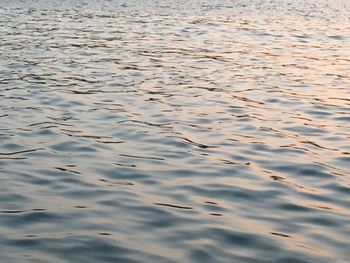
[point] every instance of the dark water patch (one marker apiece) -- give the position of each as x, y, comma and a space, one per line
174, 206
111, 183
280, 234
142, 157
67, 170
21, 152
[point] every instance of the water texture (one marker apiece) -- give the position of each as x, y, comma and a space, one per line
158, 131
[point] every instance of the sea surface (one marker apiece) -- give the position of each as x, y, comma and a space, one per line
175, 131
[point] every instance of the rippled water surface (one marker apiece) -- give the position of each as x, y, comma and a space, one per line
159, 131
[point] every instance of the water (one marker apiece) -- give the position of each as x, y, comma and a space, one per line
158, 131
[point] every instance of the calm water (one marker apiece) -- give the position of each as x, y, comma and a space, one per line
163, 131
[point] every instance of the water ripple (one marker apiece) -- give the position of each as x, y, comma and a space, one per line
163, 131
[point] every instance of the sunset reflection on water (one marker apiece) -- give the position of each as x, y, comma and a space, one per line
163, 132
